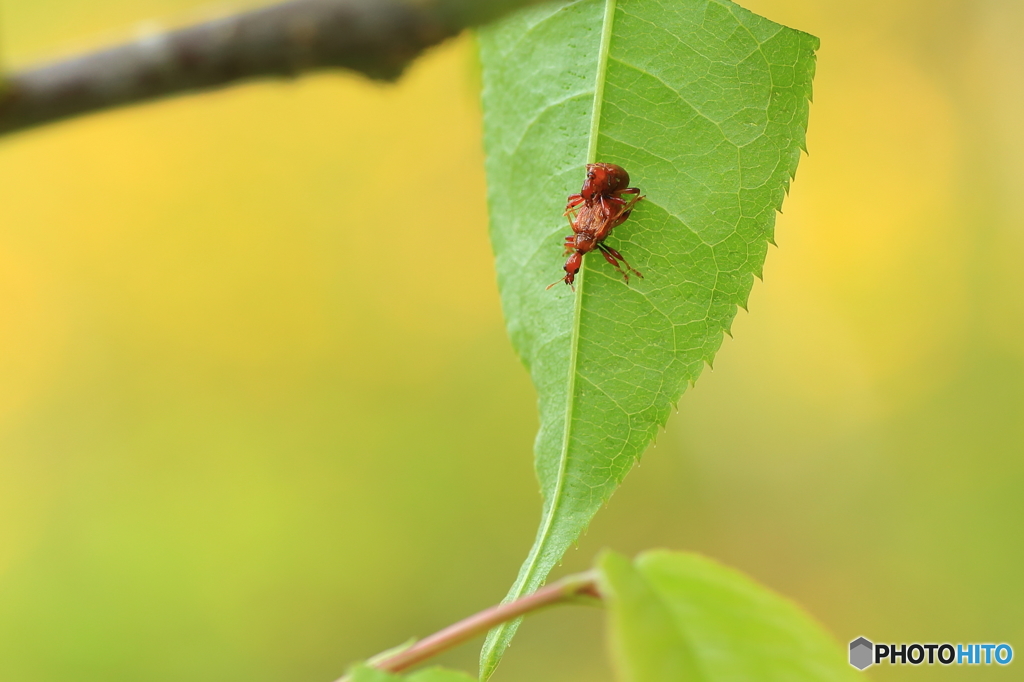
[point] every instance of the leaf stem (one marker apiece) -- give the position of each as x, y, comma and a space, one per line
576, 588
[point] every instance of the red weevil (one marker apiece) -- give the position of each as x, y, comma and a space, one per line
593, 213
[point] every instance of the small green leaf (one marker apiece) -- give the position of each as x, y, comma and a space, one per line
362, 673
676, 616
388, 653
643, 633
439, 675
705, 104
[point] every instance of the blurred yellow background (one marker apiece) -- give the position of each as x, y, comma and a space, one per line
259, 417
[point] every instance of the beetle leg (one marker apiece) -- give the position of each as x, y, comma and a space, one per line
570, 207
627, 209
626, 205
616, 209
632, 202
613, 256
607, 211
615, 264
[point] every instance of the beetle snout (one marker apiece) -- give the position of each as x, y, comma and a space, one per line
572, 266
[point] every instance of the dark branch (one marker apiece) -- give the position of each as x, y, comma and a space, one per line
375, 37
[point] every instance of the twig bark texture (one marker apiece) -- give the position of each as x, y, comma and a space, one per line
375, 37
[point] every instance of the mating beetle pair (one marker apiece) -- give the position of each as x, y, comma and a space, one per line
593, 213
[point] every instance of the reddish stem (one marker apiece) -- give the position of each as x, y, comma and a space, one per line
569, 589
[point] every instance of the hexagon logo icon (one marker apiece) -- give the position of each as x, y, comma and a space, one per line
861, 653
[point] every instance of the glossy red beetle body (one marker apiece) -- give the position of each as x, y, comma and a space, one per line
593, 213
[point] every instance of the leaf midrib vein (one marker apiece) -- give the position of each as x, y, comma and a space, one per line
595, 123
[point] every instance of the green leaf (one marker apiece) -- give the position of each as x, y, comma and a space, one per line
362, 673
679, 616
705, 105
